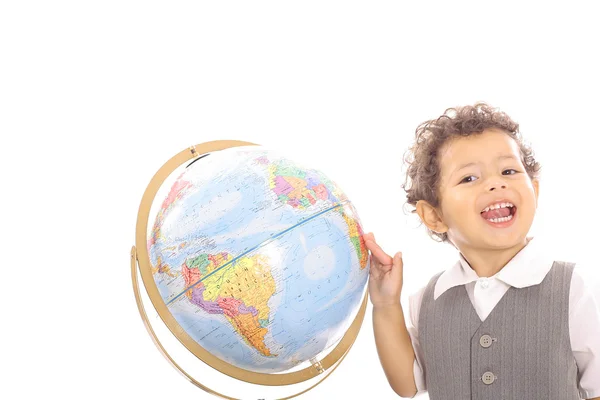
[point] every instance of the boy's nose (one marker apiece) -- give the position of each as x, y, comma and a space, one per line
494, 187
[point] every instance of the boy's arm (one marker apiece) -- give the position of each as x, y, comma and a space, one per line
394, 348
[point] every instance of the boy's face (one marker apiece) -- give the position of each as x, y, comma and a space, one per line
496, 174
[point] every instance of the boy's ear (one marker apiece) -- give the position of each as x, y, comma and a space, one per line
430, 217
536, 188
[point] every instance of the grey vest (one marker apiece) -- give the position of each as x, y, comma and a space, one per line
521, 351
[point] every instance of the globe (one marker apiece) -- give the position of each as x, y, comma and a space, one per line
255, 260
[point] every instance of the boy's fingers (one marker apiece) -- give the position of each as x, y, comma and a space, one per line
374, 272
398, 264
377, 270
378, 252
368, 236
398, 258
375, 264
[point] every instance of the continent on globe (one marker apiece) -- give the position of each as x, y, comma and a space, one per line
234, 291
297, 187
355, 232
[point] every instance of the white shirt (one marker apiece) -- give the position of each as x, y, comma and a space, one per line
527, 268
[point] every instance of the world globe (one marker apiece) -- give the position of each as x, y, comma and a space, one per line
255, 262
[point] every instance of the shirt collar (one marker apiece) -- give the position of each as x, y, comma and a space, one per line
527, 268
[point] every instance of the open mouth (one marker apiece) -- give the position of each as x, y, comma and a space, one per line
501, 215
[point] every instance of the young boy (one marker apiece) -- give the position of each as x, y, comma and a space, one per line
505, 321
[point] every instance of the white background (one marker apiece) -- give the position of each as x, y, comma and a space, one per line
96, 96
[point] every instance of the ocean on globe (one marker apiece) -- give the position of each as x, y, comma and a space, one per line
260, 260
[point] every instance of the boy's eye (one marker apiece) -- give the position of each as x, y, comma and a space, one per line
510, 169
467, 177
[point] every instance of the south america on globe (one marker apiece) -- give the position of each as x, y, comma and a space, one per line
260, 260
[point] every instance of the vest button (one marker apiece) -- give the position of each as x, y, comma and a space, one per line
485, 341
488, 378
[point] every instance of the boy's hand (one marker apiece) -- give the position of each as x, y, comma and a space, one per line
385, 274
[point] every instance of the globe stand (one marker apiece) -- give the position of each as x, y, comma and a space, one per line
140, 258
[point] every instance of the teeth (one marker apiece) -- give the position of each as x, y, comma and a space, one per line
497, 205
496, 220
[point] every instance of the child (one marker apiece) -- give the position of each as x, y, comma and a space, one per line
505, 321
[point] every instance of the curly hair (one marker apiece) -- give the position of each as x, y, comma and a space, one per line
423, 172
